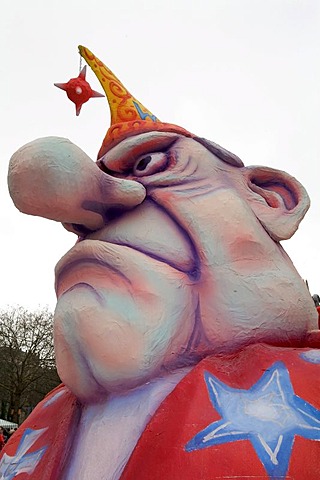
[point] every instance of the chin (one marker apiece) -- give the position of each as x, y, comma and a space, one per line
90, 379
97, 355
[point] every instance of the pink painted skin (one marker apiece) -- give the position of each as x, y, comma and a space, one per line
178, 257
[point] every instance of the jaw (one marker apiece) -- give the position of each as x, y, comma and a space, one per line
273, 308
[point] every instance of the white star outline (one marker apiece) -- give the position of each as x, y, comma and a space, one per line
22, 462
269, 414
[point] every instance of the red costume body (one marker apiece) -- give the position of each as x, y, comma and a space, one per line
279, 385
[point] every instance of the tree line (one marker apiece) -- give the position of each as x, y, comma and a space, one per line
27, 365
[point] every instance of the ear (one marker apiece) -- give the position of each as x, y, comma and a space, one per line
278, 200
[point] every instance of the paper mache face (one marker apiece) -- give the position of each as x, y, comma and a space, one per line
178, 255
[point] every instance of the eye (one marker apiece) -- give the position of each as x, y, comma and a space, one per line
150, 163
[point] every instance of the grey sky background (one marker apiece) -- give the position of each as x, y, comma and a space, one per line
243, 73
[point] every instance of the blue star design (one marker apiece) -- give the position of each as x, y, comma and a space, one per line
22, 462
269, 414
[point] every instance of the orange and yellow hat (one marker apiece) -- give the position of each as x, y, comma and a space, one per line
128, 116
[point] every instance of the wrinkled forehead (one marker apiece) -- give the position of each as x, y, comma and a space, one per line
122, 156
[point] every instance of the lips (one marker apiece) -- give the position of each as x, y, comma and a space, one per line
148, 230
88, 262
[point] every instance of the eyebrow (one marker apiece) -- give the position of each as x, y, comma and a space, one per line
220, 152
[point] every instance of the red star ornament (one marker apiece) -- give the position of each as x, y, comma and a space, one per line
78, 90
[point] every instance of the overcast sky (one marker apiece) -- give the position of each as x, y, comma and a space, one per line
243, 73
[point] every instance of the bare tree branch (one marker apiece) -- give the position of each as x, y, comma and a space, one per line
27, 369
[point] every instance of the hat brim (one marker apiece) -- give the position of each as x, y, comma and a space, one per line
121, 158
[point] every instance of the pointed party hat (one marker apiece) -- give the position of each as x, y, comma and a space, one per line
128, 116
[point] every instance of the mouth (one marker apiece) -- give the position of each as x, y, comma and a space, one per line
147, 232
82, 266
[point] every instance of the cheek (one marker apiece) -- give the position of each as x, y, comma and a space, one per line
247, 254
240, 243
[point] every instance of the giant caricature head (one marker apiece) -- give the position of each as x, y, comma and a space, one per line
178, 253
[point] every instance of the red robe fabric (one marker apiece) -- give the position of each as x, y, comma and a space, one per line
254, 414
2, 442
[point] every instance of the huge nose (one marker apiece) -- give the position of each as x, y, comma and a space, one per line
53, 178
